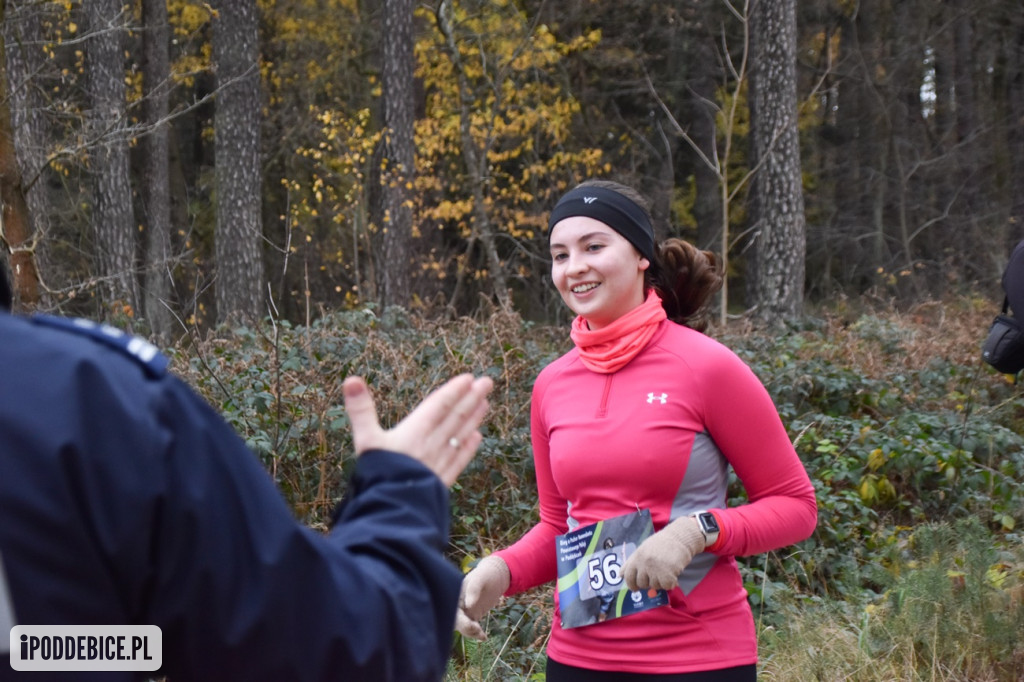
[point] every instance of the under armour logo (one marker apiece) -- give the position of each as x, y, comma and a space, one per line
663, 398
589, 200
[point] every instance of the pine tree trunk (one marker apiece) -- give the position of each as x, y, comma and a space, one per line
393, 282
239, 232
780, 241
21, 24
15, 226
113, 218
14, 213
156, 179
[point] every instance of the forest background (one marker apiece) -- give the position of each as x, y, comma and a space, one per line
284, 192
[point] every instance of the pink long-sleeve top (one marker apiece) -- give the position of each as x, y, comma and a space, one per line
660, 434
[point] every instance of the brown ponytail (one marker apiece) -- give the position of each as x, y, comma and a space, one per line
685, 278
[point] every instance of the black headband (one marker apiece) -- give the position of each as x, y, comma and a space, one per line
613, 209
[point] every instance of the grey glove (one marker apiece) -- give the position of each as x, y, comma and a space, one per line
659, 559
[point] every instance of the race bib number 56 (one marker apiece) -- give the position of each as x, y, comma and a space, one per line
591, 588
604, 571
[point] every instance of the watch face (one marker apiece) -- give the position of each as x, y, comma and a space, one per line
708, 522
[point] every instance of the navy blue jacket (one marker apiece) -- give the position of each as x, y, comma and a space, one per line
125, 499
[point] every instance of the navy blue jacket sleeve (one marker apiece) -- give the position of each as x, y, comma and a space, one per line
126, 499
374, 600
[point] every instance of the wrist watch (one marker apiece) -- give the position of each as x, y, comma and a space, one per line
708, 525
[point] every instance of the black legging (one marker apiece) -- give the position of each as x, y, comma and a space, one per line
557, 672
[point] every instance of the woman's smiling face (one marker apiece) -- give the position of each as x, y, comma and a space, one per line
598, 273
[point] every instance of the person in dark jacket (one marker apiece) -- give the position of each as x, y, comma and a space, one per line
1013, 280
126, 500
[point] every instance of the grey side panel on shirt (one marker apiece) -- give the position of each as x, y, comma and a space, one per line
703, 487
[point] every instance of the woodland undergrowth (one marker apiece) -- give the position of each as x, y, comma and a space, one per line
915, 448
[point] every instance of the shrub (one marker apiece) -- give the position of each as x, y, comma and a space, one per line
897, 421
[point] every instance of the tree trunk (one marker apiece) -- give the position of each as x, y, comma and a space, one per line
909, 186
944, 104
14, 219
156, 179
21, 26
399, 157
780, 241
707, 207
972, 138
239, 232
963, 70
855, 153
113, 218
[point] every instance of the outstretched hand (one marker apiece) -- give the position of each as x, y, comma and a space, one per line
441, 432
